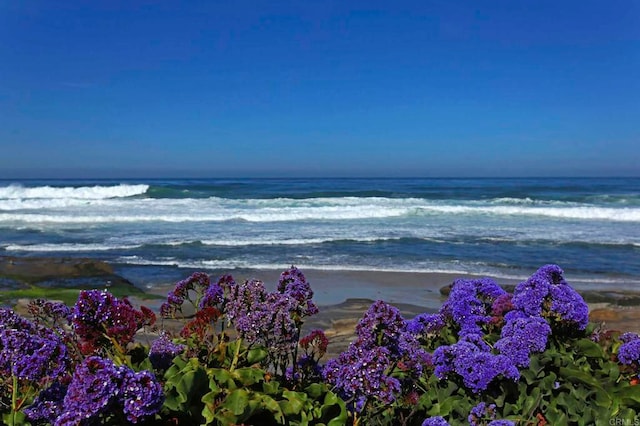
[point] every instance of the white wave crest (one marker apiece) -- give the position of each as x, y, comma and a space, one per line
189, 210
19, 192
67, 247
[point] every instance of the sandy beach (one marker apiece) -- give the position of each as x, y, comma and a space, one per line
343, 296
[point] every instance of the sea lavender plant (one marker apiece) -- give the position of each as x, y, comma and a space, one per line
361, 373
163, 351
435, 421
54, 313
547, 294
93, 391
294, 284
48, 405
364, 373
471, 360
522, 336
30, 351
142, 395
426, 324
481, 413
629, 351
469, 304
103, 321
99, 389
192, 289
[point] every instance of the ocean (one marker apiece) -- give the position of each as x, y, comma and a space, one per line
157, 230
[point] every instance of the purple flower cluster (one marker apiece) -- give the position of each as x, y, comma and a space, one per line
48, 405
523, 336
198, 282
425, 325
163, 351
481, 413
629, 351
469, 304
435, 421
98, 317
293, 283
363, 371
46, 311
502, 305
271, 319
213, 296
472, 360
547, 294
98, 389
29, 351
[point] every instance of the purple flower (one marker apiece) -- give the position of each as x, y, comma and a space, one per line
163, 351
502, 304
435, 421
294, 284
481, 413
30, 351
198, 282
44, 310
425, 324
360, 373
473, 363
142, 395
94, 389
99, 388
364, 372
521, 337
99, 316
569, 305
629, 351
48, 405
501, 423
628, 336
469, 303
381, 325
213, 296
245, 298
547, 294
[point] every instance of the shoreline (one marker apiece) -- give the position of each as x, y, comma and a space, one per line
343, 296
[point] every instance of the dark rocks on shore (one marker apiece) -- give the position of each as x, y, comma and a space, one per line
62, 273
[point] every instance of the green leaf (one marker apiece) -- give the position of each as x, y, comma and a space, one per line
248, 375
630, 396
295, 402
589, 348
237, 401
272, 405
315, 390
256, 355
271, 388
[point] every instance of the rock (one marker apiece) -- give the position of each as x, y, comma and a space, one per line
50, 273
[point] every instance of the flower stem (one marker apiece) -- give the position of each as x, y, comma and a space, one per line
14, 399
234, 362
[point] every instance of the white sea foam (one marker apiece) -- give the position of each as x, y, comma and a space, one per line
453, 268
67, 247
214, 209
19, 192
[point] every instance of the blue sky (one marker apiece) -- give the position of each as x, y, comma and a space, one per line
317, 88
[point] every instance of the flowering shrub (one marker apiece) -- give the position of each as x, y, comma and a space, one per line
239, 356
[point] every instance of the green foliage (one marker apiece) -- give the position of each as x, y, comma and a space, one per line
220, 396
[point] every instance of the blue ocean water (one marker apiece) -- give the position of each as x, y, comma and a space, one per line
497, 227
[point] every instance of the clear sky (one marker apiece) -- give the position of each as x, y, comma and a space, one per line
314, 87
